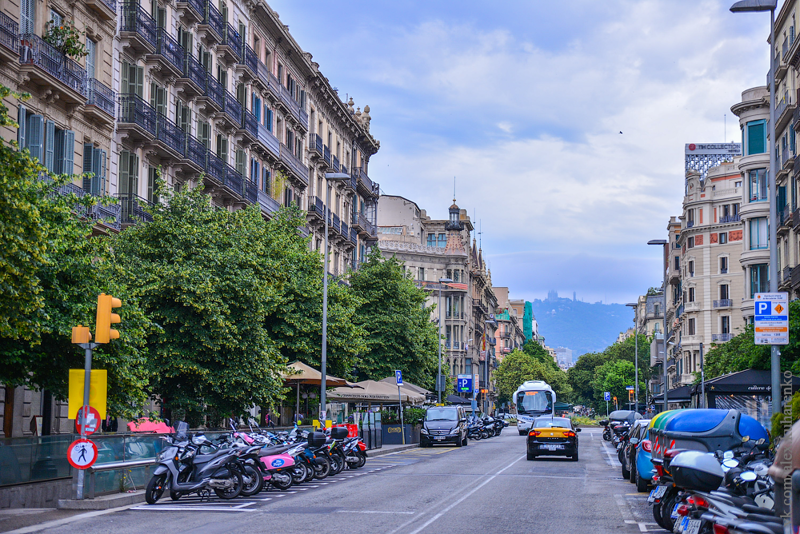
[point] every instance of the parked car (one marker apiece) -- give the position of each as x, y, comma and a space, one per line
631, 445
444, 424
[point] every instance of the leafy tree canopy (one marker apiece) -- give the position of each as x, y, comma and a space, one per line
519, 366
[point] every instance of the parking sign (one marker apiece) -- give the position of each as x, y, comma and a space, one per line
772, 318
464, 383
398, 374
607, 396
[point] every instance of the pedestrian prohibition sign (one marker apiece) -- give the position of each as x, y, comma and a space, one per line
82, 454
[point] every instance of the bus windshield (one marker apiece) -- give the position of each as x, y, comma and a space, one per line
534, 402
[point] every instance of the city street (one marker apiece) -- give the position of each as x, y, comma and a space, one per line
488, 486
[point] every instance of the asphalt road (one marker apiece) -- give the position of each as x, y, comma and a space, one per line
488, 486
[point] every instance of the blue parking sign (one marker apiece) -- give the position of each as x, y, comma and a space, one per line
607, 396
399, 376
464, 384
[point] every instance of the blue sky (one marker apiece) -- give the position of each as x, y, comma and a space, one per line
523, 103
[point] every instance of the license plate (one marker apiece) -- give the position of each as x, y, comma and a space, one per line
657, 493
693, 527
552, 447
682, 527
439, 438
674, 513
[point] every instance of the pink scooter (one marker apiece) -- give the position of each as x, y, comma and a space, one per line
277, 466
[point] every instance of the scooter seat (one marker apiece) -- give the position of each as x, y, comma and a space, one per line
205, 458
272, 451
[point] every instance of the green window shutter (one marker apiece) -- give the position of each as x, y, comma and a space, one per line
22, 120
137, 80
101, 167
49, 144
134, 174
152, 175
67, 156
124, 172
88, 166
98, 168
241, 158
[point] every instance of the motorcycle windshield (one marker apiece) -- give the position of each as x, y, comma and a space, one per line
181, 430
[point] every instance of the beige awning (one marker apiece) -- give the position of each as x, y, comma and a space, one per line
300, 373
406, 385
375, 392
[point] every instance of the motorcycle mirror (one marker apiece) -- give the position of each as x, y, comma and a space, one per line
727, 455
748, 476
730, 463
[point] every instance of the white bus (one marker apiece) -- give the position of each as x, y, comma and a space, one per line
532, 399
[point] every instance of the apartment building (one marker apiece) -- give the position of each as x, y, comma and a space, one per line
435, 249
712, 286
530, 326
510, 333
212, 93
649, 318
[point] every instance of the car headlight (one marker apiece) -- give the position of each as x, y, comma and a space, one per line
453, 432
423, 431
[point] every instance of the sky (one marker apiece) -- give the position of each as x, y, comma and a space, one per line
563, 123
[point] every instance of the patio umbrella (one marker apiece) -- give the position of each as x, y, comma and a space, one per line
406, 385
146, 425
373, 391
300, 373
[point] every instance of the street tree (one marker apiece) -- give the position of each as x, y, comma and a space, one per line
615, 376
399, 331
519, 366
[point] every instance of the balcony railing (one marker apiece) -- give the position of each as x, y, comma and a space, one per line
169, 48
135, 19
335, 223
134, 110
249, 123
9, 33
215, 167
294, 163
335, 164
213, 18
250, 59
169, 134
316, 205
35, 51
233, 181
215, 91
303, 117
289, 101
194, 71
344, 229
353, 236
723, 303
269, 141
362, 176
263, 73
195, 151
315, 144
197, 6
232, 108
787, 275
786, 155
721, 338
268, 204
729, 218
689, 224
100, 96
251, 191
367, 225
232, 39
326, 154
133, 209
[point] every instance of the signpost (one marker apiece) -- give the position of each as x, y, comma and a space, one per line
772, 319
398, 375
464, 383
82, 454
606, 397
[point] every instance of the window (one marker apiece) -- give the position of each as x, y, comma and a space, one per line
656, 310
152, 177
128, 174
432, 242
204, 133
690, 242
690, 218
442, 240
55, 18
723, 264
27, 11
723, 239
183, 116
755, 139
421, 273
91, 57
726, 324
222, 148
94, 169
455, 279
677, 266
691, 294
724, 292
691, 268
758, 185
132, 79
158, 98
692, 328
759, 279
758, 233
468, 369
265, 181
241, 161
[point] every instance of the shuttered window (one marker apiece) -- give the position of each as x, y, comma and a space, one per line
35, 136
64, 152
204, 133
268, 117
241, 162
49, 145
222, 148
132, 79
128, 174
265, 180
94, 163
91, 57
158, 98
22, 120
152, 177
26, 16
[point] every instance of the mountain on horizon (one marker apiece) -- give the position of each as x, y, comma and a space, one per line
580, 326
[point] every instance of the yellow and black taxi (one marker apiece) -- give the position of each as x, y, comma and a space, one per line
553, 436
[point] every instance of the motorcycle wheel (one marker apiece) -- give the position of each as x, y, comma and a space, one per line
253, 481
299, 473
175, 495
236, 490
340, 462
362, 459
282, 481
322, 468
309, 473
484, 434
663, 509
607, 436
155, 488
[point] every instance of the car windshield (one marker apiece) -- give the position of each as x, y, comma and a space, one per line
551, 422
533, 402
441, 414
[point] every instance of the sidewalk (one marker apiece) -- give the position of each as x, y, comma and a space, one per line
388, 449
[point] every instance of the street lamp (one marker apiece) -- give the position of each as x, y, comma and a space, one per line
748, 6
664, 243
635, 307
439, 376
333, 177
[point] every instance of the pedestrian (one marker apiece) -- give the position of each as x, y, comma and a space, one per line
270, 424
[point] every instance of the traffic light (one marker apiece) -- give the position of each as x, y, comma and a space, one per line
103, 332
81, 334
615, 399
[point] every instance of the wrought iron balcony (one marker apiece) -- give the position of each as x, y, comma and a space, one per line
293, 164
367, 225
193, 76
344, 229
353, 236
787, 275
249, 62
365, 184
169, 53
134, 209
9, 37
268, 141
214, 94
233, 181
136, 116
689, 224
721, 338
170, 137
215, 168
288, 101
212, 24
138, 27
326, 154
335, 164
335, 224
251, 191
232, 110
101, 97
268, 204
46, 66
263, 75
316, 207
315, 146
249, 129
194, 153
729, 219
303, 118
194, 10
231, 45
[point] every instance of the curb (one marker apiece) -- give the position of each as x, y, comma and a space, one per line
105, 502
381, 452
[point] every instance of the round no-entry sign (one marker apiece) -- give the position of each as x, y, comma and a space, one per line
89, 424
82, 454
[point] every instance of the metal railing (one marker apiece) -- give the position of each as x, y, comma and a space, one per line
215, 91
250, 59
134, 110
266, 138
9, 33
193, 70
362, 175
35, 51
729, 218
353, 236
335, 164
134, 209
100, 95
233, 181
335, 223
232, 39
268, 204
169, 48
689, 224
721, 337
215, 167
251, 191
198, 7
263, 73
168, 133
344, 229
249, 123
232, 107
316, 205
135, 19
195, 151
315, 144
367, 225
294, 163
326, 154
303, 117
213, 18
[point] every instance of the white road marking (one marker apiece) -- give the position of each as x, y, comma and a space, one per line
178, 508
371, 512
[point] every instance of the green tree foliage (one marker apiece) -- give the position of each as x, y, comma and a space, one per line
613, 376
520, 365
51, 271
206, 276
400, 334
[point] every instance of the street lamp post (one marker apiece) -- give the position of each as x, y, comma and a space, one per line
439, 376
334, 177
749, 6
664, 243
636, 353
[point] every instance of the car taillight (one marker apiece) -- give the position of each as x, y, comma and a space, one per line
534, 433
721, 529
647, 446
698, 501
569, 434
672, 453
683, 510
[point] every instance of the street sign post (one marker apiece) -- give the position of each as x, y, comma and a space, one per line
629, 388
82, 454
606, 397
772, 318
87, 421
398, 375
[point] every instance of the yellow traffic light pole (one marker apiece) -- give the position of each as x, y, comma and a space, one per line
82, 337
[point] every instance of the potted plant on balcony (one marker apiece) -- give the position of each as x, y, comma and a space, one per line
66, 38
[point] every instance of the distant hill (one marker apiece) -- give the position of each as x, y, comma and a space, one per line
580, 326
